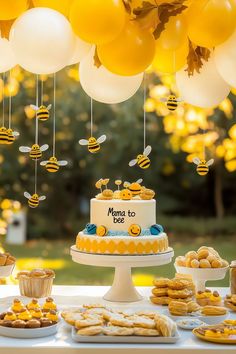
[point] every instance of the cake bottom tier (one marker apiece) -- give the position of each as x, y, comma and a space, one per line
125, 245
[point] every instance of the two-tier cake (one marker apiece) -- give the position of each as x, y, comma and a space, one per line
123, 222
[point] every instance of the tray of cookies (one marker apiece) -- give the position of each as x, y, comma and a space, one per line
100, 324
31, 320
224, 333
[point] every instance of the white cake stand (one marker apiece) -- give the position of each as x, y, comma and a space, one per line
5, 271
202, 275
122, 289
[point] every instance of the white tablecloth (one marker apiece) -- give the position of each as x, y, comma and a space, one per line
62, 342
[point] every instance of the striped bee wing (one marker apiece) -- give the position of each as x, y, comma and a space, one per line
43, 163
196, 160
35, 108
179, 99
24, 149
83, 142
44, 147
27, 195
132, 162
101, 139
15, 133
62, 163
147, 150
139, 181
49, 107
42, 197
210, 162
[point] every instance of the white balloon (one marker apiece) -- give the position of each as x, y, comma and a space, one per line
206, 89
42, 40
81, 49
104, 86
225, 60
7, 57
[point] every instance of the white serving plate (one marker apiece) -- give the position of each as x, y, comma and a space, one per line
211, 320
123, 339
28, 333
188, 323
5, 271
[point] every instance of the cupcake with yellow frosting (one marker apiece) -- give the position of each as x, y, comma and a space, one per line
36, 313
10, 316
17, 305
215, 299
52, 316
33, 304
49, 305
202, 298
24, 315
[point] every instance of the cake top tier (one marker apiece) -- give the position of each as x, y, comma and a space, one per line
123, 190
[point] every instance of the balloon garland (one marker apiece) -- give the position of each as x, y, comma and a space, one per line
92, 143
142, 160
52, 165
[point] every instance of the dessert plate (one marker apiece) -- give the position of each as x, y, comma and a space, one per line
231, 340
123, 339
189, 323
28, 332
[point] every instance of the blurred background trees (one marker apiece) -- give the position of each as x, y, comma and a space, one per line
175, 138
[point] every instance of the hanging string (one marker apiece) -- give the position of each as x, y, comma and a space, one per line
203, 145
9, 120
37, 103
144, 112
35, 175
91, 116
54, 116
41, 91
3, 100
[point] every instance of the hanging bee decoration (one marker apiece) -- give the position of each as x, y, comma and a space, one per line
33, 200
93, 143
171, 102
42, 112
142, 160
53, 165
35, 151
202, 165
3, 136
11, 136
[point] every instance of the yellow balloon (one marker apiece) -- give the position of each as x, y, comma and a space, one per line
211, 22
10, 9
174, 34
5, 27
169, 61
97, 21
130, 53
62, 6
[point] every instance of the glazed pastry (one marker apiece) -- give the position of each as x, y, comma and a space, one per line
147, 194
160, 300
192, 255
118, 331
37, 313
204, 263
177, 308
181, 261
90, 331
24, 315
201, 298
192, 306
146, 332
161, 282
213, 311
89, 321
194, 263
215, 299
160, 291
179, 294
3, 259
165, 325
52, 316
33, 304
141, 321
18, 324
119, 320
10, 316
17, 305
33, 324
178, 284
45, 322
202, 254
49, 305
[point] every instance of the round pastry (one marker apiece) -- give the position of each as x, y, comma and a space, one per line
201, 298
202, 254
161, 282
18, 324
178, 308
17, 305
24, 315
188, 262
181, 261
36, 313
6, 323
192, 306
49, 272
107, 194
192, 255
204, 263
10, 260
215, 299
10, 316
160, 300
23, 273
91, 229
178, 284
156, 229
134, 230
102, 230
147, 194
33, 304
224, 263
160, 291
33, 324
2, 315
49, 304
45, 322
195, 263
52, 316
216, 263
37, 273
125, 194
179, 294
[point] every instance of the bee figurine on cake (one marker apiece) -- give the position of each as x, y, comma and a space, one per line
3, 135
202, 165
106, 194
93, 143
142, 160
35, 151
134, 187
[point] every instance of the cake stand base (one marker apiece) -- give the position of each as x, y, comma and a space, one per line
122, 289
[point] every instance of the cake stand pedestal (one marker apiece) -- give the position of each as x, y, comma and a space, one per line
122, 289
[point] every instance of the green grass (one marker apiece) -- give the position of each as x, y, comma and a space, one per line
55, 254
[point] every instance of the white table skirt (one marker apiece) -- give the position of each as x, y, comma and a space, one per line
62, 342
